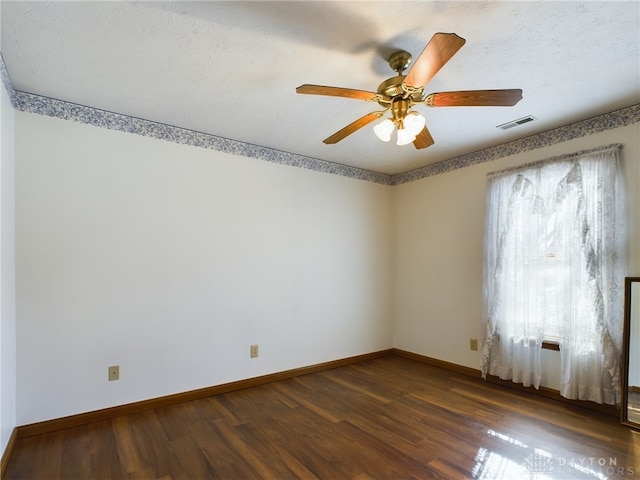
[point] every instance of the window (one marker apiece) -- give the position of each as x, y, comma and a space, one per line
554, 241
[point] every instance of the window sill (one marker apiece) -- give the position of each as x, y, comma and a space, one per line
551, 345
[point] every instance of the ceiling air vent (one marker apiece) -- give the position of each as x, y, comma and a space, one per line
515, 123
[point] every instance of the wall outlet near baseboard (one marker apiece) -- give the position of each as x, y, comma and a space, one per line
254, 351
114, 372
473, 344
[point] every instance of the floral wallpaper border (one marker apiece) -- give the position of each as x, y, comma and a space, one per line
608, 121
29, 102
114, 121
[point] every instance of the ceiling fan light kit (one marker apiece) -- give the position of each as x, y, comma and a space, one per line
404, 137
409, 124
401, 92
384, 129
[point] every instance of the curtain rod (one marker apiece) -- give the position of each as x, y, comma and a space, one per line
558, 158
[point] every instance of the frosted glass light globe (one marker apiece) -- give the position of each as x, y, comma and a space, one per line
384, 129
414, 122
405, 137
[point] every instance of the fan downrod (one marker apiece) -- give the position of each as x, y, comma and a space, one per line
399, 61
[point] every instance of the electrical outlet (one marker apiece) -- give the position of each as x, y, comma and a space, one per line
473, 344
114, 372
254, 351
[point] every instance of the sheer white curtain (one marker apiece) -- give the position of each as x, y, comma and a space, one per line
554, 270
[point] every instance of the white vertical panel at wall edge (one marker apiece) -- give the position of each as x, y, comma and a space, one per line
7, 271
3, 423
171, 260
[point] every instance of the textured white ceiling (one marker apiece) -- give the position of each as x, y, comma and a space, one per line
231, 68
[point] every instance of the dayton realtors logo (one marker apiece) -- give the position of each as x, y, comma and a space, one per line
596, 467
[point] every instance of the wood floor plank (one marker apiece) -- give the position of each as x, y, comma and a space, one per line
50, 453
192, 460
317, 435
225, 462
130, 458
397, 464
248, 452
77, 459
385, 418
154, 445
307, 399
178, 420
282, 464
99, 456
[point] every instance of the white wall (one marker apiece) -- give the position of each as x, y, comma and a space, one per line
170, 260
439, 225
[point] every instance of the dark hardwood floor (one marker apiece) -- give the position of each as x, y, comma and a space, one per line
381, 419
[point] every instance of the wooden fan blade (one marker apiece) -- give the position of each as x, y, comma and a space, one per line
335, 92
352, 127
423, 139
438, 51
475, 98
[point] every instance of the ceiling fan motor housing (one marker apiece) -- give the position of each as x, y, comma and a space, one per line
392, 87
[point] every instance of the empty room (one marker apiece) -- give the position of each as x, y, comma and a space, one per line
319, 239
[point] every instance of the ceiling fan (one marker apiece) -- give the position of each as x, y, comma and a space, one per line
400, 93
